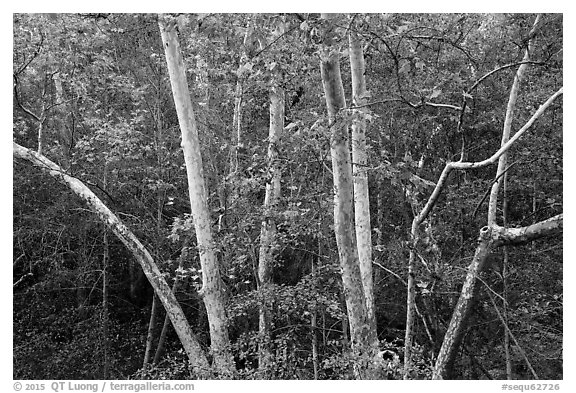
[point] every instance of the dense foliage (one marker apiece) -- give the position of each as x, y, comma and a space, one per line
98, 88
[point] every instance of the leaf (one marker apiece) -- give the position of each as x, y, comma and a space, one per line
435, 93
405, 68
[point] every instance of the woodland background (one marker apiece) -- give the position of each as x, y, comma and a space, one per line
92, 93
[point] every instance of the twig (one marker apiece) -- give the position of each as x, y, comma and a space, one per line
513, 338
390, 271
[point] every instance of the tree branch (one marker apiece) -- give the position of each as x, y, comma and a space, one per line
472, 165
512, 236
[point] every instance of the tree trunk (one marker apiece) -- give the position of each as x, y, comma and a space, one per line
457, 325
268, 231
490, 238
410, 301
191, 345
362, 335
493, 235
212, 286
64, 135
503, 160
236, 135
105, 317
151, 329
162, 340
360, 174
505, 263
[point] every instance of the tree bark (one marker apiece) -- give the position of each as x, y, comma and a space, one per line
268, 230
196, 355
212, 286
360, 173
456, 328
503, 160
236, 135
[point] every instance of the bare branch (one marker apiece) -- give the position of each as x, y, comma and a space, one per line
507, 236
475, 85
22, 279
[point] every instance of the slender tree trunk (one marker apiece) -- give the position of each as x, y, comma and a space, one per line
268, 231
105, 317
212, 286
64, 134
151, 330
503, 160
410, 301
314, 318
162, 340
360, 174
196, 355
505, 282
236, 135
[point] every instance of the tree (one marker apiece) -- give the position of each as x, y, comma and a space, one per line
493, 235
195, 353
212, 290
268, 232
360, 172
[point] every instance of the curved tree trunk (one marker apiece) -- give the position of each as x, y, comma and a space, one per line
212, 286
191, 345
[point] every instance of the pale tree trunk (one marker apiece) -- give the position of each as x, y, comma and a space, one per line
196, 355
362, 334
64, 134
268, 231
236, 135
502, 162
490, 238
360, 173
410, 302
212, 290
456, 328
41, 121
